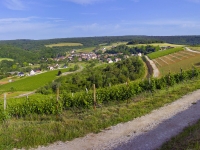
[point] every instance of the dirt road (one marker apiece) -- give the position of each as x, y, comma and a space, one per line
147, 132
155, 69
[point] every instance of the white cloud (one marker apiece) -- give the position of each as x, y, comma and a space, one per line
14, 4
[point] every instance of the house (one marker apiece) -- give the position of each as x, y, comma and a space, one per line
117, 59
20, 74
109, 60
139, 54
51, 68
32, 73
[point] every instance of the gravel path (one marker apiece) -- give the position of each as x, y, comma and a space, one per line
147, 132
155, 69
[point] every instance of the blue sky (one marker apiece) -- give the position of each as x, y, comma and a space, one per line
45, 19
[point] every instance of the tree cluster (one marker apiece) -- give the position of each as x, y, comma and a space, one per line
133, 50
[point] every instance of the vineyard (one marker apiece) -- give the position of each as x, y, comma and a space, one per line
42, 104
176, 61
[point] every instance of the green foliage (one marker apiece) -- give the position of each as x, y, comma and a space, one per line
40, 104
164, 52
133, 50
144, 41
103, 76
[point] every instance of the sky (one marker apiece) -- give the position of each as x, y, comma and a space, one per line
47, 19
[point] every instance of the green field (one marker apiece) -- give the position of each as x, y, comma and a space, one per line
64, 44
8, 59
31, 83
86, 50
164, 52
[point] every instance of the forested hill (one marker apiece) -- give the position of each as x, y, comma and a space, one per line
17, 54
95, 41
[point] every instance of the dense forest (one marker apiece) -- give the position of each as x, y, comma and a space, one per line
95, 41
111, 74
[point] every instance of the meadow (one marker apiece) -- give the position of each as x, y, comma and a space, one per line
64, 44
86, 50
31, 83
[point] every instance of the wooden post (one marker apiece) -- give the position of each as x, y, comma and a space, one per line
57, 93
4, 101
94, 96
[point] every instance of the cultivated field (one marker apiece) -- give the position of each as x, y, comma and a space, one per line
64, 44
173, 62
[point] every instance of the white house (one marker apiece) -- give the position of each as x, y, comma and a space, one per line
32, 73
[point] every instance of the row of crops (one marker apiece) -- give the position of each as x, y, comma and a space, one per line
40, 104
164, 52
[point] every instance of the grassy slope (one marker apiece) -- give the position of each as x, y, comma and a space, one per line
164, 52
31, 83
36, 130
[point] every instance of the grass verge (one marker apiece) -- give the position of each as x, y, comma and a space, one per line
34, 130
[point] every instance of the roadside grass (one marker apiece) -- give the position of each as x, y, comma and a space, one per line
31, 83
8, 59
64, 44
34, 130
189, 138
157, 54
